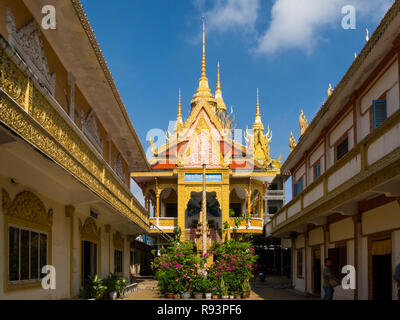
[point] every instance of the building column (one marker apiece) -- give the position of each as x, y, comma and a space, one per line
71, 83
69, 213
293, 258
108, 230
305, 262
357, 229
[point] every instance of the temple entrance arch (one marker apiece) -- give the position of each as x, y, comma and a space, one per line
193, 209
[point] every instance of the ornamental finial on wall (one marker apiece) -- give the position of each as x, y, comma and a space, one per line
303, 122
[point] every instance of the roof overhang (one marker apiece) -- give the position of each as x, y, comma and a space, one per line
76, 46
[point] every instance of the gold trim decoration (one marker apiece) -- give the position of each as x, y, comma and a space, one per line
40, 122
89, 231
118, 241
25, 211
29, 208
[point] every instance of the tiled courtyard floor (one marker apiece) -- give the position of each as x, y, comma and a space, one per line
274, 288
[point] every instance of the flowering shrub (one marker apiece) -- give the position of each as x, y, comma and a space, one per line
179, 269
234, 264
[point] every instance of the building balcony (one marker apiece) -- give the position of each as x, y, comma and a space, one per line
32, 113
253, 225
372, 166
163, 224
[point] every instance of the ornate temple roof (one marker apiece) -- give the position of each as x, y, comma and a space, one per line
206, 135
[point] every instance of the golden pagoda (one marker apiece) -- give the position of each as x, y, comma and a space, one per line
237, 175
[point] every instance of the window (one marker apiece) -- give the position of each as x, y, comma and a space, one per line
118, 261
317, 170
378, 112
299, 263
297, 187
27, 254
342, 148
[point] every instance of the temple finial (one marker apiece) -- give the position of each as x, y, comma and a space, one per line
258, 123
203, 91
218, 94
203, 63
179, 119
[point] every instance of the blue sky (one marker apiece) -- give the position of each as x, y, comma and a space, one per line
290, 49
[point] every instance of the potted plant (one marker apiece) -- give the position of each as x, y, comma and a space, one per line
198, 286
237, 295
224, 290
246, 289
94, 288
121, 285
112, 286
207, 288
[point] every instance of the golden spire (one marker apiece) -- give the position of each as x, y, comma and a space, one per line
179, 119
258, 123
218, 94
203, 91
203, 60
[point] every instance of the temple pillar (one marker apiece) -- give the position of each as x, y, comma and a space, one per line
158, 204
225, 209
182, 202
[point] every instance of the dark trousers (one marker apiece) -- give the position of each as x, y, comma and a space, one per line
328, 293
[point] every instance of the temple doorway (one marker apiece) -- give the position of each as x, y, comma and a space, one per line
89, 260
381, 264
214, 214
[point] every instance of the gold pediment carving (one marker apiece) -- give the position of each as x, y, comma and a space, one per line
89, 230
118, 241
27, 207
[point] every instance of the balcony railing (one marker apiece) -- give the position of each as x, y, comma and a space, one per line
253, 225
33, 113
275, 193
374, 160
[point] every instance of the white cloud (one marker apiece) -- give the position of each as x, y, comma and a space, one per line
296, 23
227, 14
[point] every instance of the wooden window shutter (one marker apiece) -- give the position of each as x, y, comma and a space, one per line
379, 112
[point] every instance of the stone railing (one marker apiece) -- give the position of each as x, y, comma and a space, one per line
33, 113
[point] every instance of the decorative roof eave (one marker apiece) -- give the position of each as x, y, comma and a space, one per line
104, 66
356, 65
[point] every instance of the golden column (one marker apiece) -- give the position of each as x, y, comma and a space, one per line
204, 212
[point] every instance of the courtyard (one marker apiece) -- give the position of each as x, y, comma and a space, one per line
274, 288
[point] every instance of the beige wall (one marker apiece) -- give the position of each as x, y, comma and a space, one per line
60, 248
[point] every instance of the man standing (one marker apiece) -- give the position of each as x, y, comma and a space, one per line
329, 280
396, 278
